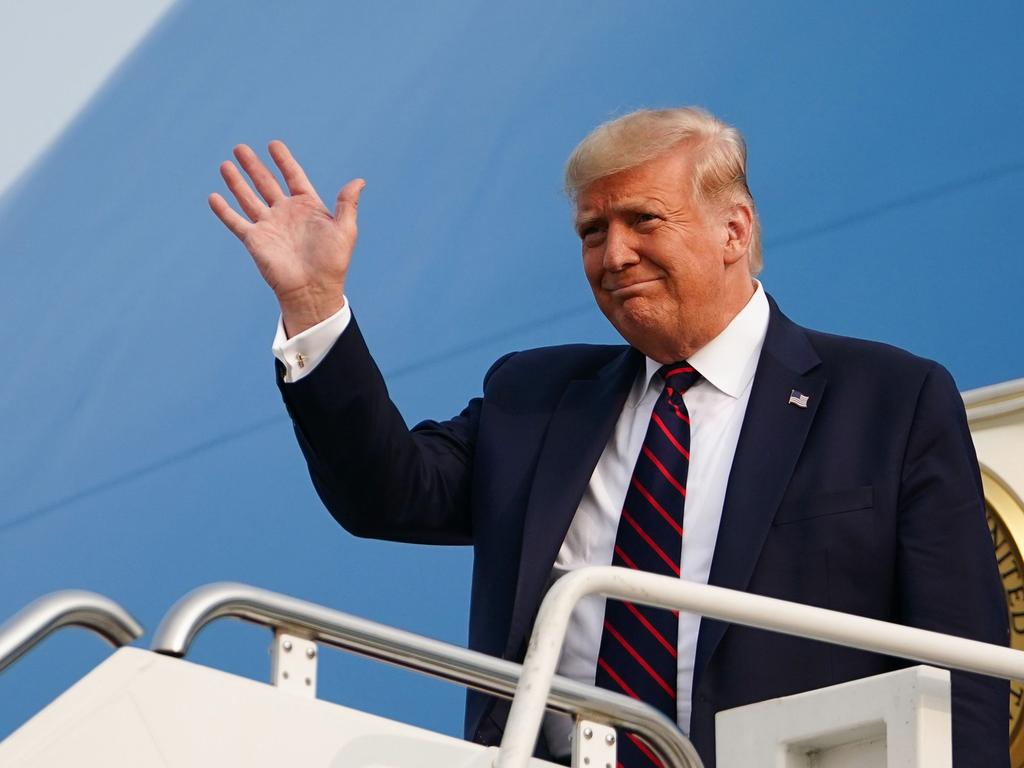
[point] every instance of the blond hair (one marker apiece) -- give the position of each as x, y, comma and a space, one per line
720, 170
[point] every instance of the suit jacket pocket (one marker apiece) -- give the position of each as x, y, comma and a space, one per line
824, 503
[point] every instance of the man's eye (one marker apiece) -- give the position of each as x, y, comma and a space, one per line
642, 218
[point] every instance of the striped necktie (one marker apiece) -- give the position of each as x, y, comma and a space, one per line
638, 644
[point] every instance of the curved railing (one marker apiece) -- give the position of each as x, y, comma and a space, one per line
727, 605
69, 607
994, 401
534, 683
476, 670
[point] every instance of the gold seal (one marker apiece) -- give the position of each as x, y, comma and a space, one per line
1005, 515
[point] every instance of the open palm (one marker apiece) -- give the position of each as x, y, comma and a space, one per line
302, 250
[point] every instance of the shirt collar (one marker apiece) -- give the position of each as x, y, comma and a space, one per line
729, 360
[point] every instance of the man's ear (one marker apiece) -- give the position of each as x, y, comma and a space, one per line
739, 227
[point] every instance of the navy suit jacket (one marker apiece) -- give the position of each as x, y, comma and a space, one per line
867, 501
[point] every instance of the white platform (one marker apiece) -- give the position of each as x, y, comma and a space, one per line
139, 709
897, 720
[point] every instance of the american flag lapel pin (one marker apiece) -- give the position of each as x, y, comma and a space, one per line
799, 399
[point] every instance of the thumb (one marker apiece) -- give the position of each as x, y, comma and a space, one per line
348, 202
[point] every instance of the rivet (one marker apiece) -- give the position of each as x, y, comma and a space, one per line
609, 739
287, 645
311, 653
308, 681
588, 733
284, 675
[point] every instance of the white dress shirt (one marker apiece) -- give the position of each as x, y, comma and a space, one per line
716, 404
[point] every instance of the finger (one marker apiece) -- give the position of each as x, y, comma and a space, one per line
261, 176
232, 220
249, 201
348, 202
294, 176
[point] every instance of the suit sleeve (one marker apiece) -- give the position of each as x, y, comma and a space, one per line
377, 477
947, 571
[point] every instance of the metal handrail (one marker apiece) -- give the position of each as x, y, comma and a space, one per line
472, 669
69, 607
727, 605
994, 401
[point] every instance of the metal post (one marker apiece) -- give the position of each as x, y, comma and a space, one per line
293, 664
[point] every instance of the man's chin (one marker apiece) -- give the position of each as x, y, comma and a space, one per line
636, 323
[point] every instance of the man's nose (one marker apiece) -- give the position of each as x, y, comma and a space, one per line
619, 249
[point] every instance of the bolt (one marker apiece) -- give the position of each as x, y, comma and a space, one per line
308, 681
311, 653
588, 733
609, 739
586, 761
284, 675
287, 645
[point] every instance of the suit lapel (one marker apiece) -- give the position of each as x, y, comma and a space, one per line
577, 434
770, 443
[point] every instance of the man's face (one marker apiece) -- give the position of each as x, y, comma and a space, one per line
661, 264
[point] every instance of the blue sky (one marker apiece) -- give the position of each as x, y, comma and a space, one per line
145, 449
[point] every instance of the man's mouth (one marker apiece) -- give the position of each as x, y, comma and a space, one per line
627, 287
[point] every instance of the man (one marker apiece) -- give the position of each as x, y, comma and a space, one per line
725, 445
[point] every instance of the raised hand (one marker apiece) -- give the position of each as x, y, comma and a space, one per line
302, 250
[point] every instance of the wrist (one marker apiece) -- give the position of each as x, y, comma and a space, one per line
303, 309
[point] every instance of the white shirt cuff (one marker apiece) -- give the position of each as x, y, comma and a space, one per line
303, 352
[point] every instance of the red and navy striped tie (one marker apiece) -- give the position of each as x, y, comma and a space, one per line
638, 645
